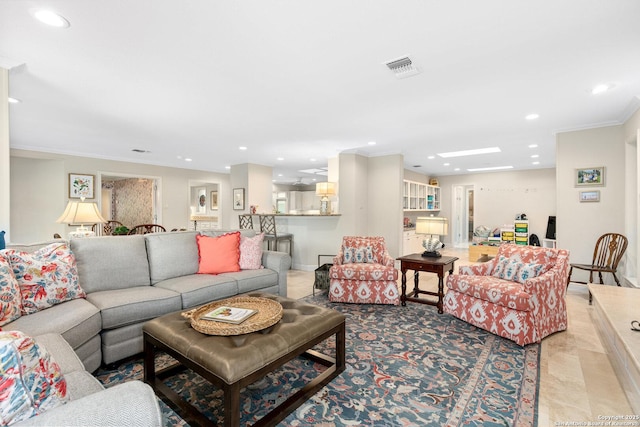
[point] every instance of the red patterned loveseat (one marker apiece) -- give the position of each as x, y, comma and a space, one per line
363, 272
519, 295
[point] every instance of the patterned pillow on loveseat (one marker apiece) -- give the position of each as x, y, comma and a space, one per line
31, 382
46, 277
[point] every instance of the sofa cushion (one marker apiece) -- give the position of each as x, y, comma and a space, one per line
111, 262
198, 289
251, 252
138, 304
46, 277
218, 254
78, 321
171, 254
363, 271
10, 300
488, 288
253, 280
31, 381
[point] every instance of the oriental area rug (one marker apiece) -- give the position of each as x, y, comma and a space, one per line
406, 366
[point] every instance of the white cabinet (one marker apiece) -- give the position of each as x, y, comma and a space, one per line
412, 243
420, 197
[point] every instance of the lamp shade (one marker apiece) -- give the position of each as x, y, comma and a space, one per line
325, 188
81, 213
433, 225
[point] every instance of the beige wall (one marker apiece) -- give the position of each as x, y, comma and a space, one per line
39, 191
500, 196
5, 182
580, 224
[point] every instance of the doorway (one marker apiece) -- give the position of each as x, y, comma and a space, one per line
463, 215
130, 199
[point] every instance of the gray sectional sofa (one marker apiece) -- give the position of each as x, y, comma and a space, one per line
132, 279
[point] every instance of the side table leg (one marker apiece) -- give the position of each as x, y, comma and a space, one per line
440, 292
403, 295
416, 280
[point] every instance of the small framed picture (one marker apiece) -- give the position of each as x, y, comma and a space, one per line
590, 177
590, 196
238, 199
81, 186
214, 200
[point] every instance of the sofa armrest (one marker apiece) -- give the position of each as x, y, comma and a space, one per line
483, 269
555, 278
280, 262
128, 404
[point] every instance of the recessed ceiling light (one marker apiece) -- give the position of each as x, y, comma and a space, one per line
431, 157
535, 156
601, 88
533, 145
280, 175
535, 163
13, 100
493, 168
371, 143
470, 152
51, 18
188, 159
227, 167
280, 158
312, 160
456, 169
532, 116
446, 164
242, 148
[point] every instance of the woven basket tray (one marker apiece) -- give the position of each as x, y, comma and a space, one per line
269, 313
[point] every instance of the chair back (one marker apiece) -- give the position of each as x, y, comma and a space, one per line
147, 228
268, 225
106, 229
246, 222
609, 250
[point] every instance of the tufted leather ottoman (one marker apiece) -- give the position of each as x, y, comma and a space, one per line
232, 363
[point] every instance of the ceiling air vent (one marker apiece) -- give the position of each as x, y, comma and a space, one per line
403, 67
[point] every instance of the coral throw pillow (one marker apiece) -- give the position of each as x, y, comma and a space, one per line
251, 252
219, 254
31, 381
10, 300
46, 277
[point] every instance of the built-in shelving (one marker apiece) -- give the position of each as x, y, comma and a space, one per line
420, 197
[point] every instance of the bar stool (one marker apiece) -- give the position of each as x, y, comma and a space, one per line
268, 227
246, 222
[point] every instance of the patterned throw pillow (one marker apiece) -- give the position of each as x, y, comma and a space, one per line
361, 254
9, 293
219, 254
506, 268
528, 271
31, 382
46, 277
515, 270
251, 252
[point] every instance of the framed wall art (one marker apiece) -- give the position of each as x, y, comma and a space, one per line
590, 196
590, 177
81, 186
238, 199
214, 200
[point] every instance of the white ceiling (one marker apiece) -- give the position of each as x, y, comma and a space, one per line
303, 80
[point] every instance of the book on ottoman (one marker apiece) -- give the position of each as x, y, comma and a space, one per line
226, 314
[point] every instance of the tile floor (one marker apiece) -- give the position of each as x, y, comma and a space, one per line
577, 381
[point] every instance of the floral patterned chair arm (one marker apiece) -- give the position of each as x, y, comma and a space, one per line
551, 284
483, 269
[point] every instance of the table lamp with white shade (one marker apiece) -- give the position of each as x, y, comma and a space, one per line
325, 189
81, 213
432, 226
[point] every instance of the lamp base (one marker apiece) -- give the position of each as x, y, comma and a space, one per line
431, 254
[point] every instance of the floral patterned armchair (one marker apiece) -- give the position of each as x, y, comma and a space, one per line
363, 272
519, 295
